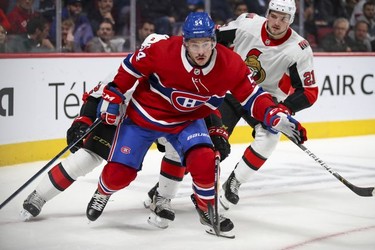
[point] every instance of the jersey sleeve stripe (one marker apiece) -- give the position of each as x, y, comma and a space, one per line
128, 67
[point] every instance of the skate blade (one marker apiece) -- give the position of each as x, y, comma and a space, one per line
224, 202
157, 221
25, 215
227, 235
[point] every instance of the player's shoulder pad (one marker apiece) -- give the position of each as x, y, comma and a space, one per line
153, 38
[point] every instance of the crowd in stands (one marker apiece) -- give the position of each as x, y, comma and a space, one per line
103, 25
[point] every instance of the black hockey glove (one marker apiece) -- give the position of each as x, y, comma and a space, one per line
219, 137
79, 126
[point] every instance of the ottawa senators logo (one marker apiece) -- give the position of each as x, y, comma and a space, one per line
254, 64
187, 102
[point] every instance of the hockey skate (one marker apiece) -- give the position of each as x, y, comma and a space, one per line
229, 195
161, 211
32, 206
150, 196
96, 205
226, 225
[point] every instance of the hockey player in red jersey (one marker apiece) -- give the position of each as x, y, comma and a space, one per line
94, 150
281, 62
181, 81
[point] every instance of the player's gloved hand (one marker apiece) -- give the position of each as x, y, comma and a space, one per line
219, 137
278, 119
79, 126
109, 108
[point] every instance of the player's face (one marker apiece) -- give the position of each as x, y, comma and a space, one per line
278, 24
200, 50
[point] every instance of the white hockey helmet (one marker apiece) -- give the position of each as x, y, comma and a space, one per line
284, 6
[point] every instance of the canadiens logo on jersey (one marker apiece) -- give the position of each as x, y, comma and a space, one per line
252, 61
125, 150
187, 102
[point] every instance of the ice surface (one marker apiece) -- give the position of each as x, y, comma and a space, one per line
291, 203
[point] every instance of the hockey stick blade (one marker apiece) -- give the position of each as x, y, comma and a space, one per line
213, 219
222, 234
215, 230
88, 130
361, 191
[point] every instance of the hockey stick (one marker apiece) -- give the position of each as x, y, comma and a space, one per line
214, 212
361, 191
88, 130
216, 198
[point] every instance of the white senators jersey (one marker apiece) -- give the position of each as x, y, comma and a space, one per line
281, 67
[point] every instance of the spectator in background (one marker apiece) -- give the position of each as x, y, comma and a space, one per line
309, 26
3, 40
12, 3
145, 29
239, 8
338, 41
82, 27
257, 6
221, 11
357, 12
308, 14
122, 12
103, 11
34, 38
104, 40
67, 36
4, 20
20, 15
361, 37
46, 42
47, 8
164, 14
369, 17
349, 6
326, 11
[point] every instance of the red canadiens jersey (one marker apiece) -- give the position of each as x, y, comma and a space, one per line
171, 92
281, 66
